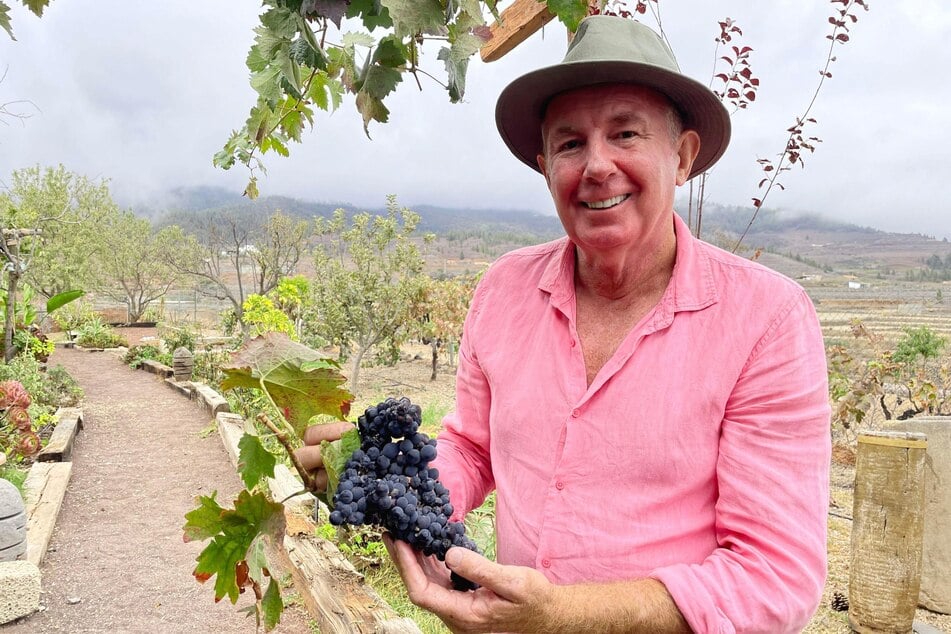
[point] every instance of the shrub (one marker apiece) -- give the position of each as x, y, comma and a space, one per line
137, 354
95, 333
177, 337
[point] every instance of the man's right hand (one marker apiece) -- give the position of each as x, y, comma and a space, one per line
309, 454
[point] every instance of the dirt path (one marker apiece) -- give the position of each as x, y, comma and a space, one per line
117, 562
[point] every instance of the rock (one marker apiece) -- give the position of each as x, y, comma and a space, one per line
19, 590
12, 523
935, 592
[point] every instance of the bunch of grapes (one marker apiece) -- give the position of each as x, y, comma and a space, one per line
388, 482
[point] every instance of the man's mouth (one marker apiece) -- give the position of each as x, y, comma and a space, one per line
606, 203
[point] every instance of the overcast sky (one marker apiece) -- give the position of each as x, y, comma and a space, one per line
144, 94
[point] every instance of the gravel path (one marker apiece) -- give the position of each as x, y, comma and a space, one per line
117, 562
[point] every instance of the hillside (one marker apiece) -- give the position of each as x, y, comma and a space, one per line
796, 245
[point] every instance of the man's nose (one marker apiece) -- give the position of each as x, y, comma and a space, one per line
599, 163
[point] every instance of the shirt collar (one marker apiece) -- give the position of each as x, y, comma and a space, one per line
692, 285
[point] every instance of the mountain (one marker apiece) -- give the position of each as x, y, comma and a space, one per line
796, 244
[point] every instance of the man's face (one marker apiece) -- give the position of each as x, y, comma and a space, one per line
612, 159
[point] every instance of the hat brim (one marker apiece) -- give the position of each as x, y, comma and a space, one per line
519, 110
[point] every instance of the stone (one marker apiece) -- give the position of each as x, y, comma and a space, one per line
12, 522
19, 590
935, 591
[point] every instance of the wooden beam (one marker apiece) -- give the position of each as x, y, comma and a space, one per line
516, 23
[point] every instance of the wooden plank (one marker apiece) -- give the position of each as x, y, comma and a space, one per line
60, 444
334, 592
516, 23
230, 428
45, 489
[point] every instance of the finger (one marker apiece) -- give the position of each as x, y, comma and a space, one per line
309, 457
509, 582
314, 434
409, 563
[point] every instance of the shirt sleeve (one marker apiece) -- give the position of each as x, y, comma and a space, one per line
769, 569
464, 461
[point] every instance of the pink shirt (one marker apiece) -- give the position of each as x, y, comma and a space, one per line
699, 455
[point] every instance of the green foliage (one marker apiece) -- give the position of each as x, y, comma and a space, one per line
369, 278
918, 342
301, 61
233, 533
301, 382
175, 337
49, 389
262, 316
70, 317
293, 384
95, 333
135, 355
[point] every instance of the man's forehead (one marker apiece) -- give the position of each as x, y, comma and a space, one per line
619, 101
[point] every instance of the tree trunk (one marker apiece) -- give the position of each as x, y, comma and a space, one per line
434, 344
9, 322
355, 368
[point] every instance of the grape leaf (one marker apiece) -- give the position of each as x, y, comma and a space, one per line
272, 605
333, 10
254, 461
235, 530
416, 16
372, 109
5, 20
456, 59
36, 6
204, 521
335, 455
300, 381
570, 12
372, 12
380, 81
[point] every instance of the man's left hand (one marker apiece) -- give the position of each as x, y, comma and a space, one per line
511, 599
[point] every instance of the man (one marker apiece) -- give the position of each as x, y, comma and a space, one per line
652, 412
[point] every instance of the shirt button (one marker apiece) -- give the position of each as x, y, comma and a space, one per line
559, 485
572, 343
575, 413
546, 563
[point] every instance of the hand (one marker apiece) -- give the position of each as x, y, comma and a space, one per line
511, 599
309, 454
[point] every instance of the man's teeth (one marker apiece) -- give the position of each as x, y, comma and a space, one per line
604, 204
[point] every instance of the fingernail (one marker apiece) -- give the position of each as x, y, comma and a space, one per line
453, 557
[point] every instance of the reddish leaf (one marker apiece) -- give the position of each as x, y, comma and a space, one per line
751, 95
757, 202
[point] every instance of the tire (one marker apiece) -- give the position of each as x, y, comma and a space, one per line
12, 523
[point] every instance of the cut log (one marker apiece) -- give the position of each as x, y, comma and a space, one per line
335, 593
45, 489
60, 445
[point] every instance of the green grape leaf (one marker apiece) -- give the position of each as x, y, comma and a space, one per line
204, 521
36, 6
372, 109
256, 62
372, 12
266, 41
267, 83
570, 12
335, 456
325, 92
416, 16
253, 515
391, 52
456, 59
5, 20
301, 382
281, 22
254, 461
271, 605
380, 81
257, 560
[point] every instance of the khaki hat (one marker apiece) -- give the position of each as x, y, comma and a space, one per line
610, 50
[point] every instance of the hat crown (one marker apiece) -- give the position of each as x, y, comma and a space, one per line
607, 38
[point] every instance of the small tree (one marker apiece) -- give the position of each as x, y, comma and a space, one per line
440, 315
368, 278
131, 265
918, 342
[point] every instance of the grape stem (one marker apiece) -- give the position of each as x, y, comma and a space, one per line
305, 476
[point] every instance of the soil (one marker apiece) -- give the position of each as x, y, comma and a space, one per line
117, 561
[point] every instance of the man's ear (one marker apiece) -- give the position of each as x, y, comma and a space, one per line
687, 150
543, 166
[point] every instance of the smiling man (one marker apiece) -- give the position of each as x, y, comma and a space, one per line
652, 412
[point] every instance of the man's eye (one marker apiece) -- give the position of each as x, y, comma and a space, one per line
628, 134
570, 145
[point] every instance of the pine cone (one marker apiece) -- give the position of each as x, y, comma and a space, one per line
840, 602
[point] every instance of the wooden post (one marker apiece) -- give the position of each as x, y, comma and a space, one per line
887, 532
516, 23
